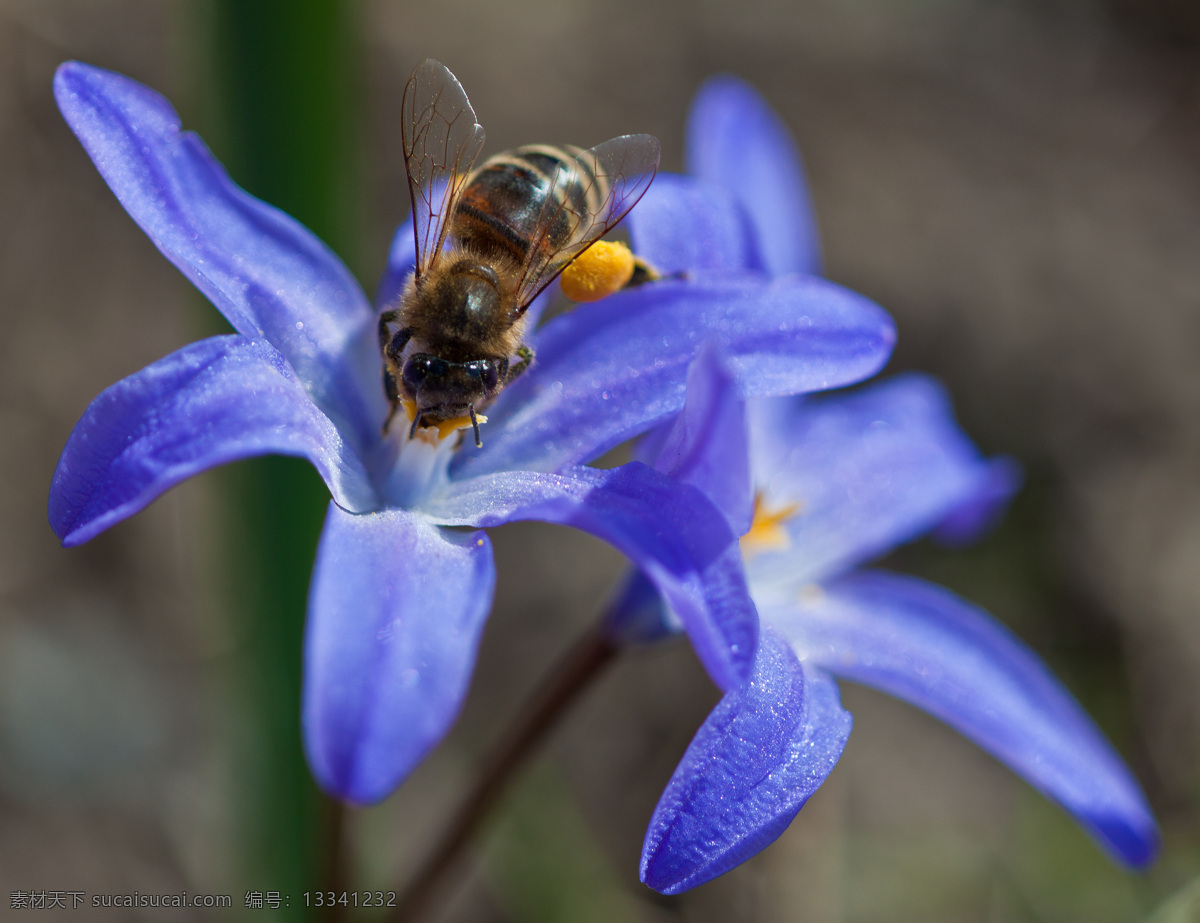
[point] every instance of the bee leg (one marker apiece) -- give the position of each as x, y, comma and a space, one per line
515, 371
385, 320
392, 344
393, 395
643, 272
395, 346
475, 426
391, 388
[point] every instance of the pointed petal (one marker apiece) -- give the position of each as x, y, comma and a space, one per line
395, 613
213, 402
923, 644
684, 224
670, 531
864, 472
736, 140
707, 445
266, 273
753, 764
609, 371
979, 513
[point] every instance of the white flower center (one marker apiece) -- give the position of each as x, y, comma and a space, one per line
420, 465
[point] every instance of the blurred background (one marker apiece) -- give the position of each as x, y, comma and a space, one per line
1017, 182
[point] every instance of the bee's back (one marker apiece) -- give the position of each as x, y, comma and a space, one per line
499, 212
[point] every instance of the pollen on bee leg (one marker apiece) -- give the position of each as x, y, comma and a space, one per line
603, 268
767, 532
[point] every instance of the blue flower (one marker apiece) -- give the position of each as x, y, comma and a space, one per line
398, 600
818, 487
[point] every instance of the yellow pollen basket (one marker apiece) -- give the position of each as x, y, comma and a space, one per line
603, 268
766, 530
442, 429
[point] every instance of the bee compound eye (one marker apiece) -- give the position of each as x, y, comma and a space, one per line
421, 368
487, 371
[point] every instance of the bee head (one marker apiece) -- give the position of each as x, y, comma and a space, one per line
445, 389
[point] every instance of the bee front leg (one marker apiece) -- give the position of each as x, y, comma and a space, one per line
391, 386
515, 371
386, 319
392, 344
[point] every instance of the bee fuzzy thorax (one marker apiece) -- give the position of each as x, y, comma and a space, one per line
465, 307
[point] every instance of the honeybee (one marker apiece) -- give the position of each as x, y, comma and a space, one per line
488, 241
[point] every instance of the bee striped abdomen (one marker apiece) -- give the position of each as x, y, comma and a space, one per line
500, 209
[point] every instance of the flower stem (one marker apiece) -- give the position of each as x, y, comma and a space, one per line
582, 664
280, 81
336, 861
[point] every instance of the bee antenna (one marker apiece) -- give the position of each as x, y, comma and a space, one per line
475, 426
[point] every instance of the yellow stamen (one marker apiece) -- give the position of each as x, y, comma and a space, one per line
603, 268
766, 530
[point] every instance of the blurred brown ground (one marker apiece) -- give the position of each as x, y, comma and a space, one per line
1018, 183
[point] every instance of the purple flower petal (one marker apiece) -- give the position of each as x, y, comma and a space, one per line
753, 764
707, 446
402, 260
979, 513
669, 531
683, 224
395, 614
213, 402
865, 471
736, 140
609, 371
921, 643
266, 273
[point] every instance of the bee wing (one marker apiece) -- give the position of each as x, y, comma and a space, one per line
441, 141
612, 177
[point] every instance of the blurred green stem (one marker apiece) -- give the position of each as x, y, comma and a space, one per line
281, 90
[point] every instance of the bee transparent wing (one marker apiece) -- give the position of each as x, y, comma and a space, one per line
587, 201
441, 141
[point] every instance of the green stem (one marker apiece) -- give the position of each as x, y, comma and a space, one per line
280, 75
